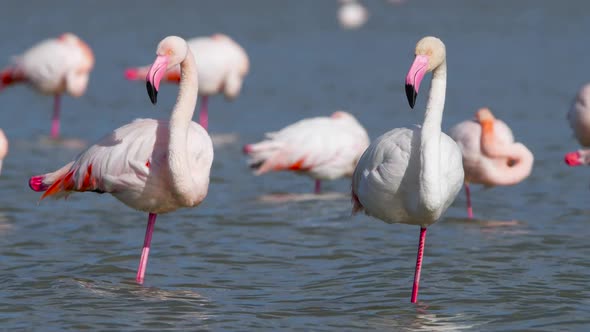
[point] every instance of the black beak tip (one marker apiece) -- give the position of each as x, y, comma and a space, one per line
152, 92
411, 94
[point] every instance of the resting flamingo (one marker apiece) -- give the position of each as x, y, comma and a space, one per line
53, 66
323, 148
490, 155
222, 67
579, 119
155, 166
3, 148
411, 176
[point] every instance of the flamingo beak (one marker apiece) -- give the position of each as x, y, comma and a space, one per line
414, 78
154, 76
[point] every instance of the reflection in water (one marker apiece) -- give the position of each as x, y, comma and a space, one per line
292, 197
422, 321
68, 143
220, 140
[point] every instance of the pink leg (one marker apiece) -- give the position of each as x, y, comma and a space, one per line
204, 113
418, 265
318, 186
146, 248
468, 194
55, 119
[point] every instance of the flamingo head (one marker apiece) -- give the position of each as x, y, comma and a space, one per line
430, 53
171, 51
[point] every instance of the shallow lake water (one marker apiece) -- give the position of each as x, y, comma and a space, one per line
263, 253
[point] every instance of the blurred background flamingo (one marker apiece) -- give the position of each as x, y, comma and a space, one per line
352, 14
155, 166
53, 66
323, 148
579, 120
490, 155
3, 148
222, 66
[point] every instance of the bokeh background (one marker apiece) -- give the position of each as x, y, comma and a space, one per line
260, 253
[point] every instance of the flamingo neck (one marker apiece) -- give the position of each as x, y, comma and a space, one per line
430, 140
180, 120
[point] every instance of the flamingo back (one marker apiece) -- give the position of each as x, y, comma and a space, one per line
323, 148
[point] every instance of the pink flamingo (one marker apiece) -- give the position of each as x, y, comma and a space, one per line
490, 155
579, 119
323, 148
411, 176
155, 166
3, 147
53, 66
222, 66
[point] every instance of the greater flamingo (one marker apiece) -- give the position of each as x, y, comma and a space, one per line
53, 66
352, 14
490, 155
3, 147
324, 148
222, 67
411, 176
155, 166
579, 119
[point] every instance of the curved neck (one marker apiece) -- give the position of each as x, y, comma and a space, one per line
180, 120
430, 139
513, 162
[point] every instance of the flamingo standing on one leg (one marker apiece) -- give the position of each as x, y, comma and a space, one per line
222, 66
53, 66
490, 155
324, 148
155, 166
579, 119
3, 147
411, 176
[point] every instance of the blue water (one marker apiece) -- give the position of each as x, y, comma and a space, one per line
261, 253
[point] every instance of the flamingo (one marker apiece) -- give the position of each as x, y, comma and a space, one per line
490, 155
155, 166
53, 66
222, 67
411, 176
579, 119
323, 148
351, 14
3, 147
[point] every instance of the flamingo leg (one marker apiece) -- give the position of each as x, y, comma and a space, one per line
204, 113
468, 194
146, 248
55, 119
418, 264
318, 186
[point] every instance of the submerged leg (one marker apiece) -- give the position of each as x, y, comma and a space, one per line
146, 248
418, 265
55, 119
318, 186
204, 113
468, 194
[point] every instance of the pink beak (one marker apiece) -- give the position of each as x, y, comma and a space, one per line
414, 78
154, 76
573, 158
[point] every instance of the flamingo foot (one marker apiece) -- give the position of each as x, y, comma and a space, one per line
573, 159
318, 186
